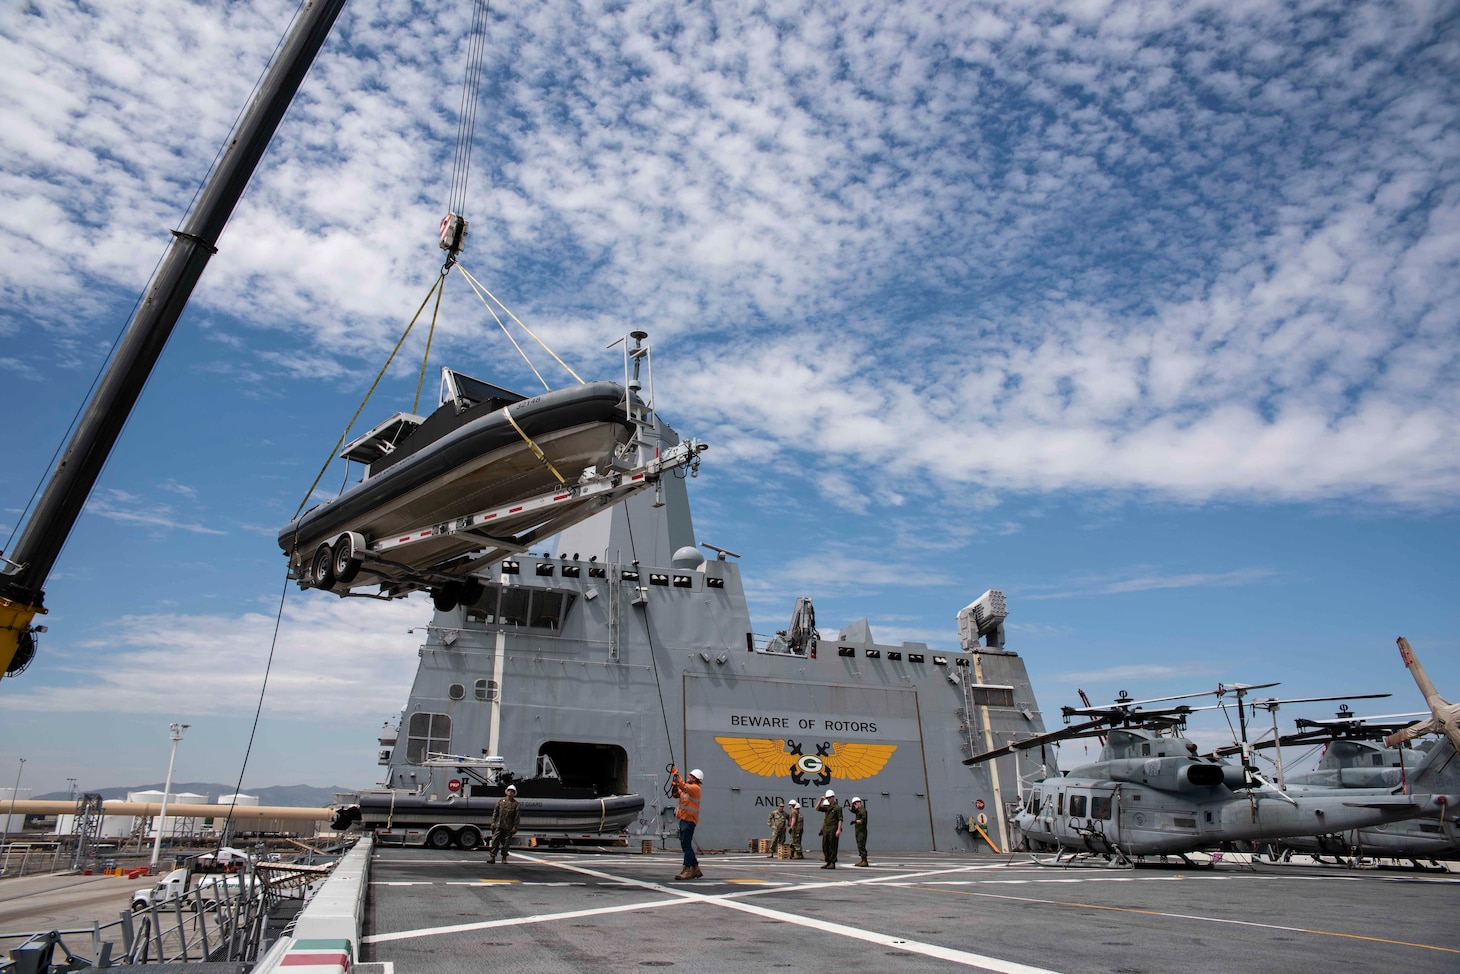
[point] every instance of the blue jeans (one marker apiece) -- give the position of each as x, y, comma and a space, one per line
687, 842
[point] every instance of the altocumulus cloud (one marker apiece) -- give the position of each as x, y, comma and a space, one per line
335, 659
1193, 249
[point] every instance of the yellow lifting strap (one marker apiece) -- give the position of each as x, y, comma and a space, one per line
440, 282
979, 829
507, 411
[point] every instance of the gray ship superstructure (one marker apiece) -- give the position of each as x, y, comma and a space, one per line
629, 650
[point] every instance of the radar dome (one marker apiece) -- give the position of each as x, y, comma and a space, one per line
688, 557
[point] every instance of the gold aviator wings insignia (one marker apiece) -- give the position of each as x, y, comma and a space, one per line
848, 762
759, 755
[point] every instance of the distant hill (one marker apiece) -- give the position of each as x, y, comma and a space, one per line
303, 796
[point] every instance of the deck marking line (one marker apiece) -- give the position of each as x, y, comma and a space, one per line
733, 901
1191, 916
381, 938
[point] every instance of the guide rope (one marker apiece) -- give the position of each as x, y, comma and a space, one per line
263, 689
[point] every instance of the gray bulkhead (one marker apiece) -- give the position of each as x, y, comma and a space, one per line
612, 677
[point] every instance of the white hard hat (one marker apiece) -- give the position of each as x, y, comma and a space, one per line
855, 800
511, 787
697, 774
829, 794
792, 804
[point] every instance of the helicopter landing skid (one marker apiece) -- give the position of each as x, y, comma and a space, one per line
1083, 860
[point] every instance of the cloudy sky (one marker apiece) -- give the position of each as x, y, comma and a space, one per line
1148, 314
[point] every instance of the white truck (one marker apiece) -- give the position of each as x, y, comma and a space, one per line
208, 890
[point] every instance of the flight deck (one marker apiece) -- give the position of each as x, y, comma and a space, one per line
445, 911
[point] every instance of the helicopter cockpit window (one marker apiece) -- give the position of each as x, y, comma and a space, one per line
1077, 806
1100, 806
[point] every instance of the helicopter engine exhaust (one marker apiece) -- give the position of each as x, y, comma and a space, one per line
1204, 775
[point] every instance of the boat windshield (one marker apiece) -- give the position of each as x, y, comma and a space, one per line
466, 392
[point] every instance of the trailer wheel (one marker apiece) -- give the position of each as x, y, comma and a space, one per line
471, 592
439, 838
322, 569
445, 598
469, 838
346, 565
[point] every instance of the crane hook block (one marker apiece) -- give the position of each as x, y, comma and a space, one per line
453, 233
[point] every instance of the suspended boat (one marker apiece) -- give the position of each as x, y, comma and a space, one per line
437, 489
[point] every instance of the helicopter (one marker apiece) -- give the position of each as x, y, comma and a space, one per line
1151, 794
1354, 758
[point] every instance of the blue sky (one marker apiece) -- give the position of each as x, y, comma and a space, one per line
1148, 315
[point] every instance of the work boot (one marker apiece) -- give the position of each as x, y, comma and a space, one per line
864, 862
685, 873
825, 865
798, 856
696, 874
493, 860
831, 865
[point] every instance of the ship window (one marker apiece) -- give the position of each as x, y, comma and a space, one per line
484, 610
629, 575
713, 582
596, 572
544, 568
984, 696
486, 689
547, 610
1100, 806
874, 654
456, 691
846, 651
914, 657
514, 606
1077, 806
572, 571
657, 578
510, 568
894, 655
961, 660
683, 581
940, 661
427, 733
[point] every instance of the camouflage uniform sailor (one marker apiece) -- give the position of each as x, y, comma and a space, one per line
795, 824
859, 826
505, 817
831, 828
777, 821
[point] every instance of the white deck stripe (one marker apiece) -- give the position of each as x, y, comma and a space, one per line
734, 901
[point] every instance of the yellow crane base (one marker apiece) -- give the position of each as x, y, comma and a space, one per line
15, 630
